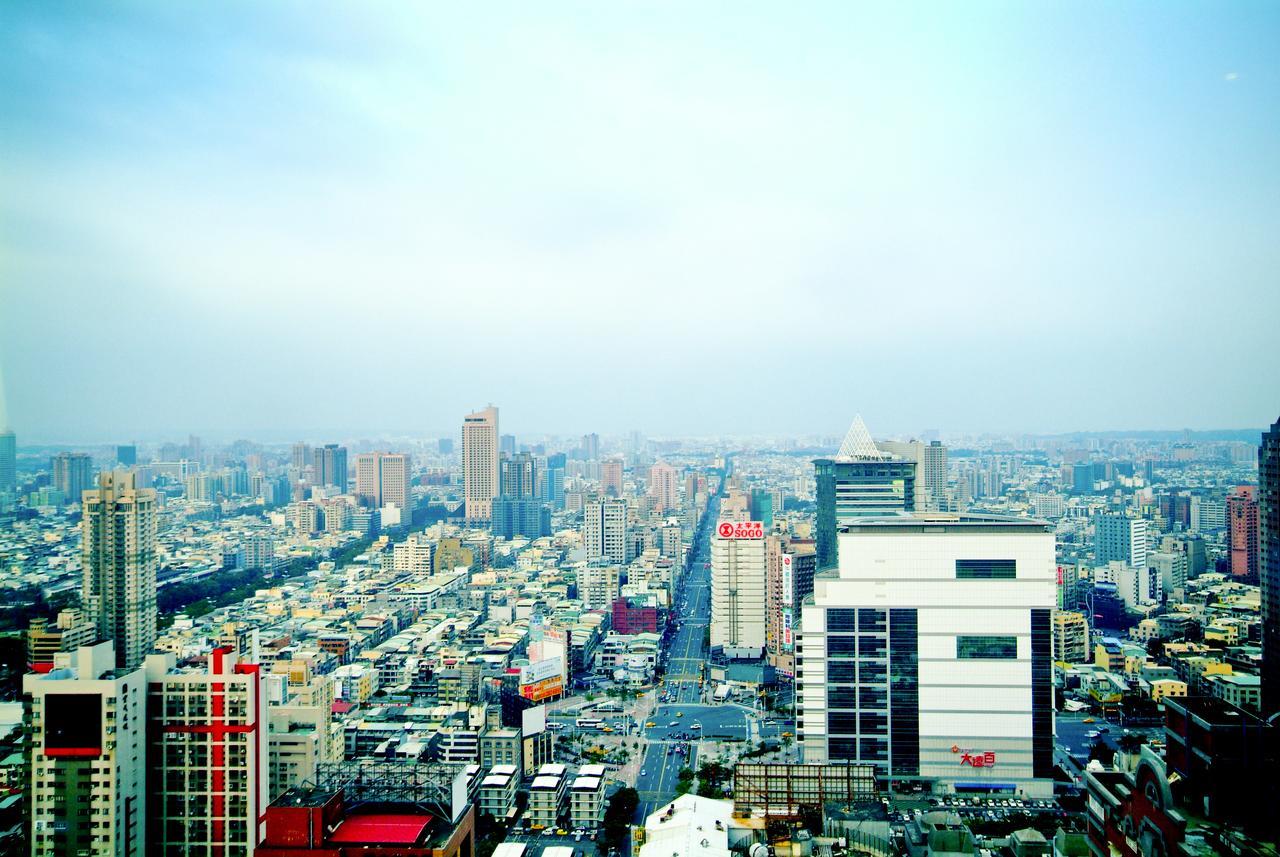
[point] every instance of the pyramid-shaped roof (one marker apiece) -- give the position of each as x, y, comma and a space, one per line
858, 445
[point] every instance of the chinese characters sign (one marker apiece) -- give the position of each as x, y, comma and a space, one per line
975, 760
740, 530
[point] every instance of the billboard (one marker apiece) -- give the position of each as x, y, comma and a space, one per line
533, 721
545, 689
73, 725
740, 530
788, 584
788, 635
541, 670
542, 679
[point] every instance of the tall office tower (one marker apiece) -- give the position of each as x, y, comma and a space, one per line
929, 652
515, 516
480, 479
605, 530
8, 461
785, 591
738, 583
382, 478
859, 481
934, 475
1242, 531
72, 474
519, 475
445, 445
206, 755
1120, 538
611, 477
909, 450
127, 455
86, 724
598, 584
664, 486
194, 449
330, 465
507, 444
553, 481
1082, 478
300, 456
591, 446
760, 507
118, 548
1269, 565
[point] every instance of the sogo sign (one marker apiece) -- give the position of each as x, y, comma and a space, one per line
740, 530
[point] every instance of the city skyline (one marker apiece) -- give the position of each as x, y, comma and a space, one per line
877, 202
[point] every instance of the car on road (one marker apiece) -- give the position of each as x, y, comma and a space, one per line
643, 772
650, 724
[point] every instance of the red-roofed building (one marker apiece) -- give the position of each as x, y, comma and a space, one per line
318, 823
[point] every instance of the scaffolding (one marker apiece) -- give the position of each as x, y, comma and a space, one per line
784, 791
433, 786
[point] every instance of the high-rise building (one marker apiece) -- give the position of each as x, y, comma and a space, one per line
1070, 637
512, 517
611, 477
330, 465
72, 474
413, 555
206, 755
1269, 565
480, 477
1119, 538
738, 584
86, 728
300, 456
928, 653
127, 455
760, 507
934, 475
664, 486
8, 461
519, 476
598, 584
591, 446
445, 445
605, 530
118, 549
553, 481
382, 479
1242, 531
860, 481
507, 444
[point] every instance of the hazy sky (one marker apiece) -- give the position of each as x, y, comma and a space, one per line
686, 217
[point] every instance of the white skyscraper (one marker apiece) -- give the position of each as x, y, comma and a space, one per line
738, 588
87, 728
928, 652
480, 481
605, 530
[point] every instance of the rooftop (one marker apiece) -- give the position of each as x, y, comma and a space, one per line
380, 829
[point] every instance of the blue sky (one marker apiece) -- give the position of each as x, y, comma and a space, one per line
701, 218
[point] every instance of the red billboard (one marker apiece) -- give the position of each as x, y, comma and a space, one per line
740, 530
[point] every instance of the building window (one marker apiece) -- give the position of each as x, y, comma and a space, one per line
841, 646
986, 569
986, 648
840, 619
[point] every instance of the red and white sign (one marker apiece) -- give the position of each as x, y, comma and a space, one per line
975, 760
740, 530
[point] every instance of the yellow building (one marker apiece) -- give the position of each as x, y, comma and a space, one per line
1167, 687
